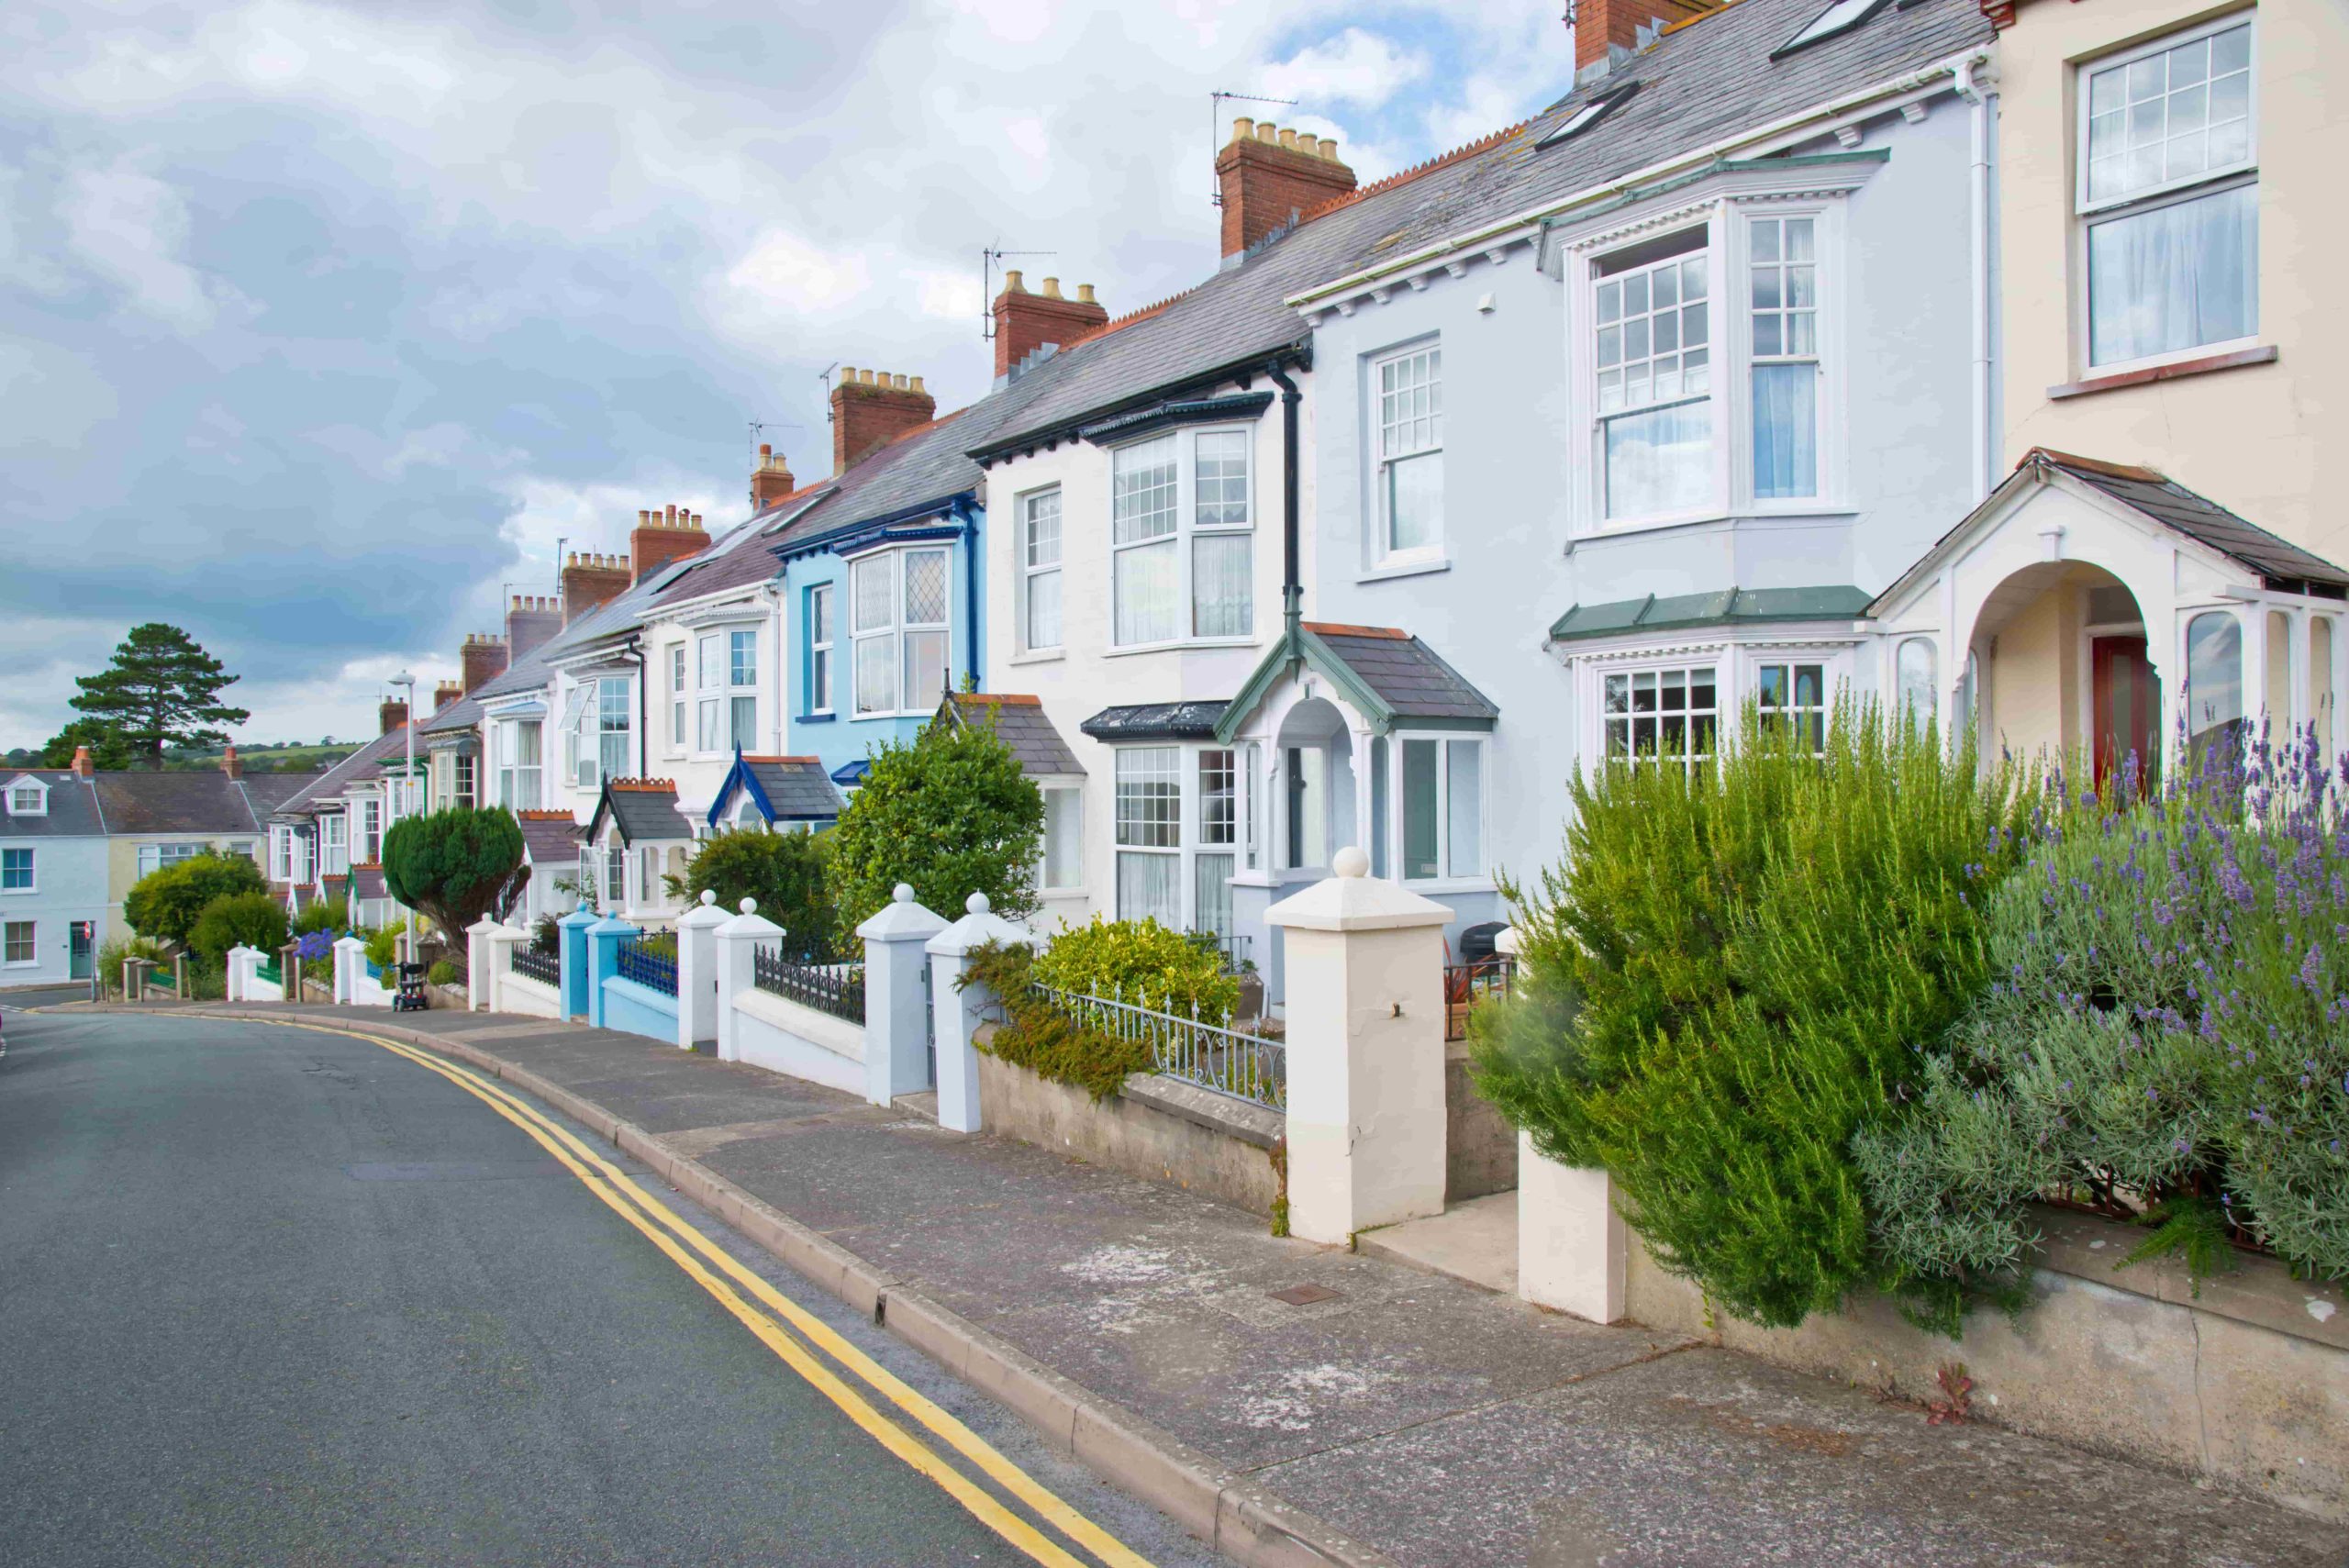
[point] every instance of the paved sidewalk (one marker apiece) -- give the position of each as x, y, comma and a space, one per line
1439, 1424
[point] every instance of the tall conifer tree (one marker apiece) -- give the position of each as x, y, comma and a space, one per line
161, 689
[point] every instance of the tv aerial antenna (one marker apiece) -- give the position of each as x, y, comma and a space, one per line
1215, 126
988, 257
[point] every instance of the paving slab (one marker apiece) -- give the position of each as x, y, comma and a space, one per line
1476, 1241
1435, 1422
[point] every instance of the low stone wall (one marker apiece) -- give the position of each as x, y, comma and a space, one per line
782, 1036
2247, 1384
1480, 1146
1160, 1128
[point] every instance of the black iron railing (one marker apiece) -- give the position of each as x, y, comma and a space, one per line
650, 966
834, 988
1466, 984
546, 967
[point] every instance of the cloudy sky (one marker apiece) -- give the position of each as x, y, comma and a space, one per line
319, 324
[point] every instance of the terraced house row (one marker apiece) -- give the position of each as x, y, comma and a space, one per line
1969, 357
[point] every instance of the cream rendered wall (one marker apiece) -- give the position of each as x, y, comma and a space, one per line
2036, 698
122, 867
1086, 674
2261, 440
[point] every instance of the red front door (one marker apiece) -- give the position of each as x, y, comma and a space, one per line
2128, 703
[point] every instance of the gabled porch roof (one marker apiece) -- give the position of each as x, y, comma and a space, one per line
1387, 675
1020, 722
784, 789
643, 811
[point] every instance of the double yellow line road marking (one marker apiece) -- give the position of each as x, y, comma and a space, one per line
795, 1335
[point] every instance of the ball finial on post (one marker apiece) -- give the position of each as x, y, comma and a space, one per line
1349, 862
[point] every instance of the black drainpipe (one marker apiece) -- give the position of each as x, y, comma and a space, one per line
1292, 590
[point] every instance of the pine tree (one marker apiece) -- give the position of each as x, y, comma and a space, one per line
162, 688
108, 751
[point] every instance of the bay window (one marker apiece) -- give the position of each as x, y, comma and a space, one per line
1796, 694
1783, 266
370, 848
1652, 348
518, 765
1212, 865
335, 857
465, 775
727, 697
1660, 715
596, 724
819, 648
677, 731
1063, 837
1040, 546
1149, 819
1443, 809
1409, 480
2168, 187
899, 603
1181, 517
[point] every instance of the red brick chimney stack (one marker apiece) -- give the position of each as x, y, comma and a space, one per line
391, 713
871, 409
530, 619
446, 692
771, 480
589, 580
483, 658
230, 764
1271, 177
1026, 322
663, 537
81, 765
1607, 31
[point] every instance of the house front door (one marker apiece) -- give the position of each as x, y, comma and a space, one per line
2127, 707
77, 951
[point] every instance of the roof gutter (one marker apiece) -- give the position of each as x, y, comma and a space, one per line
1833, 109
1297, 355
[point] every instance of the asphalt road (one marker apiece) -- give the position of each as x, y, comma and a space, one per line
277, 1297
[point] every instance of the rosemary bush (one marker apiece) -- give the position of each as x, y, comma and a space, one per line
2165, 1035
1727, 977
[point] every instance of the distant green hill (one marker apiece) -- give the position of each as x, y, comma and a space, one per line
287, 759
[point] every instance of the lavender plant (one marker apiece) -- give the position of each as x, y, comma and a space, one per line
2165, 1035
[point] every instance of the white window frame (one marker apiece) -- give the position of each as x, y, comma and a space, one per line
8, 930
1749, 313
1034, 569
464, 780
741, 686
1397, 752
335, 859
1684, 663
898, 629
2090, 211
600, 708
280, 854
1052, 878
32, 869
1143, 827
823, 622
1792, 663
518, 783
680, 710
1183, 539
370, 836
28, 799
1389, 450
709, 694
1191, 840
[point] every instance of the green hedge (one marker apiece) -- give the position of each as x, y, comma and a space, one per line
1040, 1037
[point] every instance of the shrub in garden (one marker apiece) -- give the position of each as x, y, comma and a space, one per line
546, 934
1038, 1035
1142, 962
453, 866
383, 946
784, 871
952, 815
166, 902
443, 972
330, 915
239, 920
2166, 1033
112, 955
1729, 974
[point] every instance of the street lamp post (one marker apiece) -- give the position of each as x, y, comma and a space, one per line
407, 682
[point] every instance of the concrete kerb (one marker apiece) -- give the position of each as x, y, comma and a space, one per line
1238, 1518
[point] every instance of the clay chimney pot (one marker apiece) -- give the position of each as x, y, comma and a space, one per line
1242, 128
1052, 288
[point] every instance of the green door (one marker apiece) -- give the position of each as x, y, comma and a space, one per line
77, 951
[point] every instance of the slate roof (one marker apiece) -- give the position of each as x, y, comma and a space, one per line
551, 837
1022, 725
1156, 721
269, 791
360, 766
1406, 673
645, 810
2281, 563
1700, 84
195, 801
72, 807
792, 789
367, 882
1729, 607
462, 714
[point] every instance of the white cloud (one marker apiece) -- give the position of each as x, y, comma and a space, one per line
1356, 67
129, 229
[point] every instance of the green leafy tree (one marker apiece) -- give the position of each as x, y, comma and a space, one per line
784, 871
108, 749
166, 903
452, 865
952, 815
162, 689
1729, 976
239, 920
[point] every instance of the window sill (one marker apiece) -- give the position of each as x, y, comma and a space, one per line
1436, 887
1061, 893
2265, 354
1180, 646
827, 716
1038, 656
1404, 568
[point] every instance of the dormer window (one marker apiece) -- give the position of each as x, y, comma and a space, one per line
1840, 17
28, 797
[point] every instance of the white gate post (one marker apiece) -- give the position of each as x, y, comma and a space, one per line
958, 1011
1365, 1015
737, 941
697, 1000
481, 958
349, 960
897, 1008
